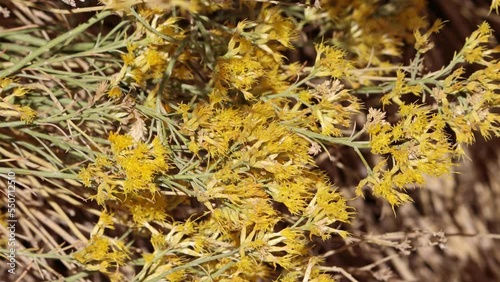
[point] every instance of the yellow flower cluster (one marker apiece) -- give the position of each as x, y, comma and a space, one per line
253, 64
400, 88
417, 145
7, 106
326, 109
150, 60
331, 62
372, 31
129, 170
469, 105
243, 125
256, 144
474, 50
102, 253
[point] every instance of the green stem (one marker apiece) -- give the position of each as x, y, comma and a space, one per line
54, 42
414, 66
359, 133
342, 141
373, 89
293, 86
458, 58
48, 174
368, 168
150, 28
25, 37
191, 264
39, 255
222, 270
191, 176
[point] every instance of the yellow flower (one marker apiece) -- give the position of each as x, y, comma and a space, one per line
293, 193
381, 183
494, 5
474, 50
85, 176
239, 73
128, 58
400, 88
417, 144
115, 92
6, 81
422, 44
277, 27
119, 142
20, 91
330, 61
102, 254
147, 208
27, 114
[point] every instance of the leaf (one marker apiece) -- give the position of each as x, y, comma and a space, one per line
138, 129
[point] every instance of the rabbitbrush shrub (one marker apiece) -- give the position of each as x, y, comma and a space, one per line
175, 140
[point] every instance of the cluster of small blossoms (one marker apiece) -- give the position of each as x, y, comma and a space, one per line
102, 253
253, 64
147, 62
372, 32
418, 144
244, 125
470, 104
8, 108
126, 182
245, 136
260, 161
129, 171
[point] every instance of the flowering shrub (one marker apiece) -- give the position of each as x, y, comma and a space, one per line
201, 140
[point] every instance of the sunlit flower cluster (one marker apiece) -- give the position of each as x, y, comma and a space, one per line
242, 125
